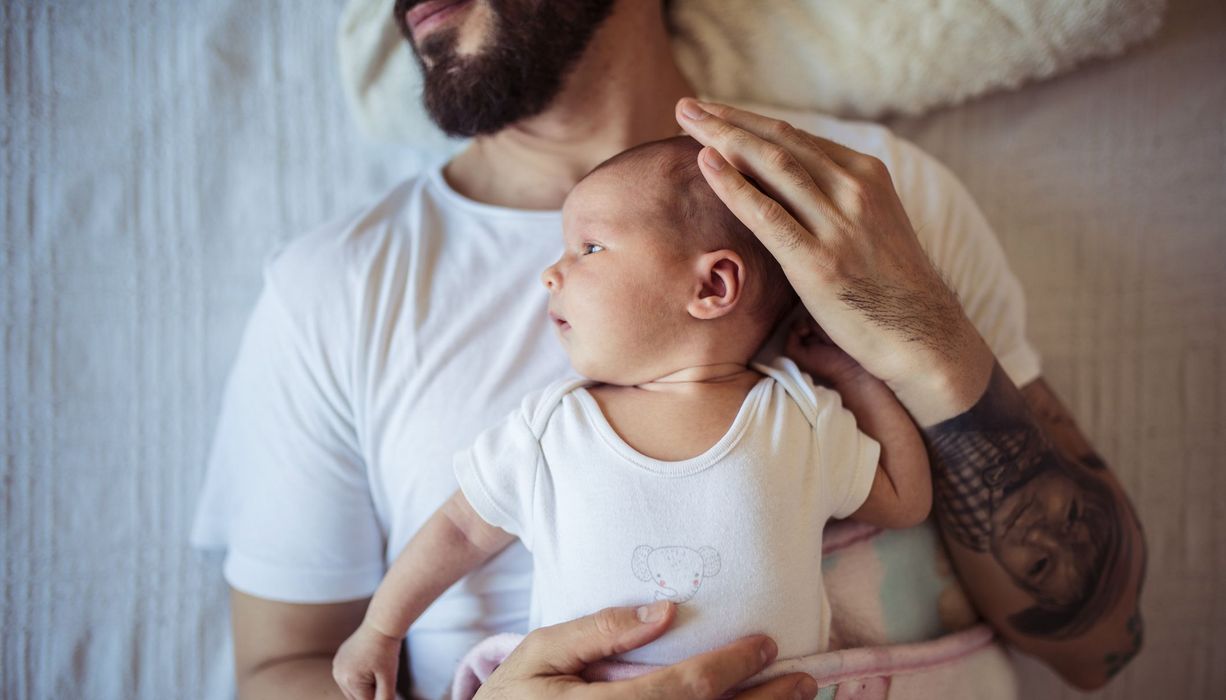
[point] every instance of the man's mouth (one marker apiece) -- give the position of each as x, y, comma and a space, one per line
428, 14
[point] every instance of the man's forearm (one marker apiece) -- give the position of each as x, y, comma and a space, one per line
306, 677
1044, 540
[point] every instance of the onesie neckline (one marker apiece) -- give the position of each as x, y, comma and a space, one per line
685, 467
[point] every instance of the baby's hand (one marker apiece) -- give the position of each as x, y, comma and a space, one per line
365, 665
812, 350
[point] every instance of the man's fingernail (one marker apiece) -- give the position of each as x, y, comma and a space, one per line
768, 651
805, 689
691, 109
713, 158
653, 612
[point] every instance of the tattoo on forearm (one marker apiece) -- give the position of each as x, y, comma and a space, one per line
1051, 523
1093, 461
1060, 424
1116, 661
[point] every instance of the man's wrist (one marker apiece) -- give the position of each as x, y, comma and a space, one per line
946, 386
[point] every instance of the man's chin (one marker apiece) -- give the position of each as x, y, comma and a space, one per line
514, 75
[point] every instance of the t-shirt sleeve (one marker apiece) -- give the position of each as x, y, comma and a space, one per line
498, 475
286, 491
963, 246
847, 457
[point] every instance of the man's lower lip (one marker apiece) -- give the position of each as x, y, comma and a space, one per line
437, 18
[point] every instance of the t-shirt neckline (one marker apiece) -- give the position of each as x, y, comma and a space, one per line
684, 467
459, 201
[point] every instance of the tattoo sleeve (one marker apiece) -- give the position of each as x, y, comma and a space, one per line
1003, 489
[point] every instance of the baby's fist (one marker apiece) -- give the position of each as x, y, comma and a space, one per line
365, 665
812, 350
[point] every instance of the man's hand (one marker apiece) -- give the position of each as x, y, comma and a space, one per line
832, 218
549, 662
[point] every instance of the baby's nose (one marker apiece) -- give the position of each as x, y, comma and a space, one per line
550, 278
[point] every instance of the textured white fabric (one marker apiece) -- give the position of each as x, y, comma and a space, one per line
732, 535
846, 57
387, 341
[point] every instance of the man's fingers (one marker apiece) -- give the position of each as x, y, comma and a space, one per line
787, 166
793, 685
767, 128
778, 230
569, 647
733, 131
705, 676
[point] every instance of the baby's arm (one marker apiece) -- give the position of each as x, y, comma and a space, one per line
901, 495
453, 542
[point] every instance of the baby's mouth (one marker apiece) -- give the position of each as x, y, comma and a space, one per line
559, 321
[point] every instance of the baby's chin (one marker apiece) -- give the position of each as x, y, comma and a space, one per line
601, 376
607, 373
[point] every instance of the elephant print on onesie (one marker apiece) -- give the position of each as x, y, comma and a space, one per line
676, 572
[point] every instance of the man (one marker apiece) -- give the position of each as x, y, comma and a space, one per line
385, 342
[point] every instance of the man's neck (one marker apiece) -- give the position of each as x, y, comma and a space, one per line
620, 94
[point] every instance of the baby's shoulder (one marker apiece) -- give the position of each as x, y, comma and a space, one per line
811, 398
538, 407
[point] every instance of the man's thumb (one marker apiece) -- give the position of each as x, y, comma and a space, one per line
589, 639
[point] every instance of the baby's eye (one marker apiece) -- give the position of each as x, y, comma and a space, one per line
589, 248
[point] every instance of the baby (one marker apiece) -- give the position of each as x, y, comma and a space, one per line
677, 468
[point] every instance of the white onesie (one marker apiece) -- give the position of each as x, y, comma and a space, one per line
733, 535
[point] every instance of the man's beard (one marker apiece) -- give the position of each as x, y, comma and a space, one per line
517, 71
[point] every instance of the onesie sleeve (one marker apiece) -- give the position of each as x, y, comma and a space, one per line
847, 457
498, 475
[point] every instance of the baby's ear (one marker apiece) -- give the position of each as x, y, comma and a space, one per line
719, 284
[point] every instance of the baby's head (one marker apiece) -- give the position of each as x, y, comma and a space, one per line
657, 274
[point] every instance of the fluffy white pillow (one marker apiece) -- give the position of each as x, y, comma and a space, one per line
854, 58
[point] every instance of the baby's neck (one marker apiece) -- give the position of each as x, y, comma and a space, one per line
679, 415
700, 378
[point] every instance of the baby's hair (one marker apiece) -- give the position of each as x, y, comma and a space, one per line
691, 210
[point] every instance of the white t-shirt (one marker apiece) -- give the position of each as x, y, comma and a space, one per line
385, 342
732, 535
